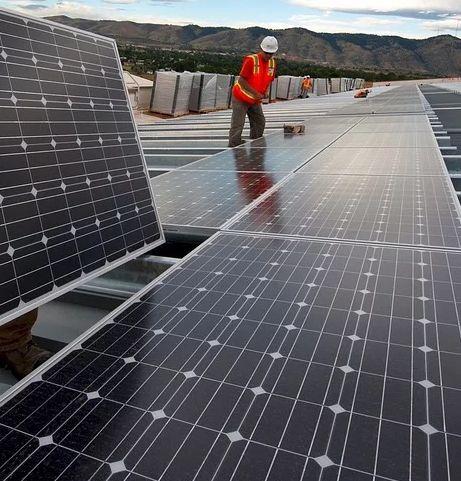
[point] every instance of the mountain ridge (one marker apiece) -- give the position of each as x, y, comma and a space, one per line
439, 55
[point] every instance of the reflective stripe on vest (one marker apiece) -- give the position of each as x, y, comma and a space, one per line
245, 92
255, 64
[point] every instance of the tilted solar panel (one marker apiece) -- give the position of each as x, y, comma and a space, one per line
75, 198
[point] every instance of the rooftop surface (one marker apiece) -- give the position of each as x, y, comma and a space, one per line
315, 334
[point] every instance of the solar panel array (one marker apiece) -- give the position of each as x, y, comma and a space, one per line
208, 193
259, 358
397, 102
201, 135
75, 197
384, 180
269, 357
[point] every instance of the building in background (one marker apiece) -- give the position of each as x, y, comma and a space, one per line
139, 90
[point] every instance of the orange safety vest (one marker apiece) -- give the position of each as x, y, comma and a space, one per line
361, 94
262, 76
307, 83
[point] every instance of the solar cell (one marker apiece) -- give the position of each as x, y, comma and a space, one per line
391, 209
259, 358
75, 197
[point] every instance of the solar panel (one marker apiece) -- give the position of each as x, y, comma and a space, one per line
259, 358
396, 101
405, 121
389, 140
251, 158
75, 198
209, 192
208, 198
415, 125
377, 161
310, 142
391, 209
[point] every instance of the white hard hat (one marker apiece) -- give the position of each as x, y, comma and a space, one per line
269, 45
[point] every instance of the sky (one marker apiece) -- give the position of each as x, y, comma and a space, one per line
407, 18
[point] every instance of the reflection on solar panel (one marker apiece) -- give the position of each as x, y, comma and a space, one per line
396, 210
260, 359
208, 198
74, 193
250, 158
310, 142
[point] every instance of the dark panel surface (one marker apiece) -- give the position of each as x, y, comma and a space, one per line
310, 142
206, 198
254, 159
391, 209
74, 194
440, 97
448, 113
259, 359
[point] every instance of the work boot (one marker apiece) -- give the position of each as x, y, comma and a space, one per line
23, 360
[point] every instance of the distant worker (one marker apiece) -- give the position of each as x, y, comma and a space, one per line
18, 352
362, 94
306, 87
256, 75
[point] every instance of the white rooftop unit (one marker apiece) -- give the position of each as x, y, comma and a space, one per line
223, 88
295, 87
139, 90
335, 85
209, 92
171, 93
283, 87
320, 86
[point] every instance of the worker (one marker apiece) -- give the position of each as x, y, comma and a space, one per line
306, 87
361, 94
256, 75
18, 352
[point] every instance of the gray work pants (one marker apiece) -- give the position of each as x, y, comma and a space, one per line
256, 117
